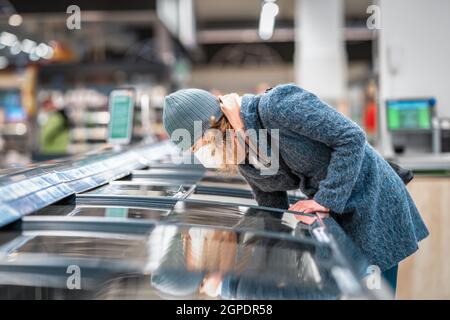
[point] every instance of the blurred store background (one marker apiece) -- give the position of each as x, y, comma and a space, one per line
385, 64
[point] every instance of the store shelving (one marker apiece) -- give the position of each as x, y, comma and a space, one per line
87, 104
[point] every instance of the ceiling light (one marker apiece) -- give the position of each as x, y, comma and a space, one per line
33, 56
15, 20
44, 51
28, 45
270, 8
7, 39
41, 49
15, 48
269, 11
49, 53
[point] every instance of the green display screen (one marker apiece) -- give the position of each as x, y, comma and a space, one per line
121, 112
409, 114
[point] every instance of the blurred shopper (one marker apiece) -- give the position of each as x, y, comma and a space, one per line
54, 133
321, 152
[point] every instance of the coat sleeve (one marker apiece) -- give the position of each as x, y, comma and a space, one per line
273, 199
296, 110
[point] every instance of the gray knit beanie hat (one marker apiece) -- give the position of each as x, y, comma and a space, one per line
182, 108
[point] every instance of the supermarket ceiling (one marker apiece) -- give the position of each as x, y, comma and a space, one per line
129, 23
206, 10
27, 6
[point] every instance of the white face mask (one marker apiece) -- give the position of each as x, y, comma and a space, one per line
209, 156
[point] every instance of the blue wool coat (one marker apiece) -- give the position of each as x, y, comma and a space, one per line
327, 156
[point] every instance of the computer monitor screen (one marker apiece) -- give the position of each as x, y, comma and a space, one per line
410, 114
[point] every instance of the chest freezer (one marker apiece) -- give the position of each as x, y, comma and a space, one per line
256, 254
102, 216
131, 219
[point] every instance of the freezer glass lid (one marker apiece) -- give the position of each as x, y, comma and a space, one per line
108, 218
205, 263
81, 245
114, 212
166, 172
178, 261
153, 182
172, 191
213, 179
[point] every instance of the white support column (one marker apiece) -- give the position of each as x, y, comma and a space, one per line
320, 56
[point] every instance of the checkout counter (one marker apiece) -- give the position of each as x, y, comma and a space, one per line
136, 226
420, 140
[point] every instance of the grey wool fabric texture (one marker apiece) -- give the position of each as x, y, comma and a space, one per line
327, 156
182, 108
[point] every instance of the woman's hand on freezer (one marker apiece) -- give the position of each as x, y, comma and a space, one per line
231, 108
308, 206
